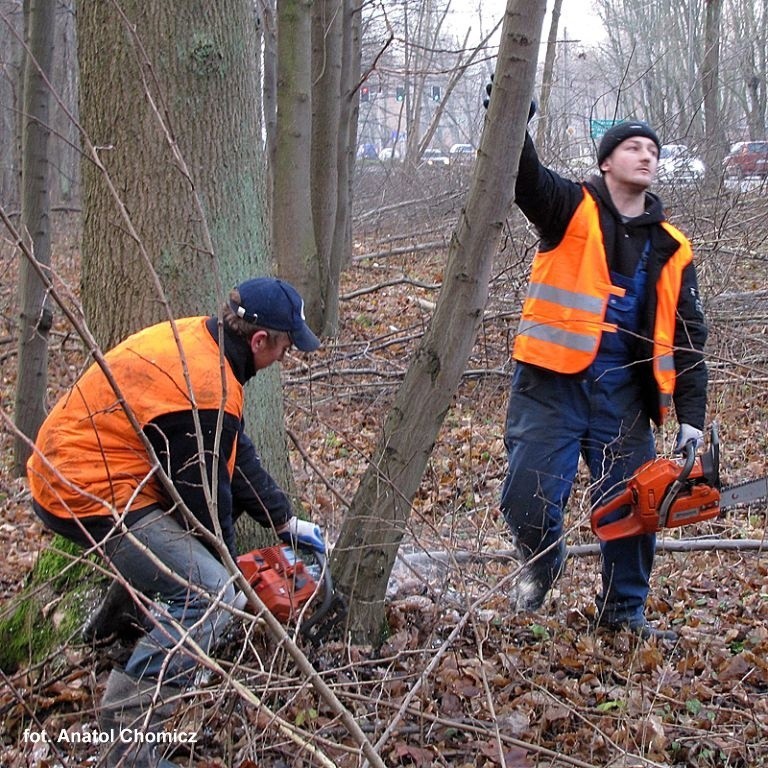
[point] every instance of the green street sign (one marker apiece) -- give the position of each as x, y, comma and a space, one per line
597, 128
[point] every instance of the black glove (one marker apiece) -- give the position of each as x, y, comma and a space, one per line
487, 100
487, 97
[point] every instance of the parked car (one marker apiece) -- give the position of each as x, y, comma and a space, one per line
367, 151
390, 153
677, 164
462, 154
434, 157
747, 158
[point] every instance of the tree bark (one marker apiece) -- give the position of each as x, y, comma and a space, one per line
375, 524
710, 86
544, 125
36, 317
292, 225
170, 96
327, 46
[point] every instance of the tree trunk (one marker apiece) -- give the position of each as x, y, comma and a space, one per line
341, 249
374, 526
11, 77
327, 46
269, 86
64, 148
710, 86
170, 96
36, 316
292, 226
544, 125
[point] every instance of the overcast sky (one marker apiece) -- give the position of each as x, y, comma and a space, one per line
577, 18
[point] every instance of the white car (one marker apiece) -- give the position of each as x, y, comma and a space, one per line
434, 157
462, 153
390, 153
678, 165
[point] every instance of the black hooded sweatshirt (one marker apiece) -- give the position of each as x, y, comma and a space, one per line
549, 201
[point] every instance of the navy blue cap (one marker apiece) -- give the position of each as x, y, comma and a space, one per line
275, 304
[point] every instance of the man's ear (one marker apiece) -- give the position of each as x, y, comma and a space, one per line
258, 340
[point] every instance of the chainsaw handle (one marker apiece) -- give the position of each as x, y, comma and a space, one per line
689, 449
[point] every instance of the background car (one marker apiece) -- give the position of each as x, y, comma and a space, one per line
747, 158
462, 154
390, 153
678, 164
435, 157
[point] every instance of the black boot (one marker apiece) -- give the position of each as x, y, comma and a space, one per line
123, 714
117, 617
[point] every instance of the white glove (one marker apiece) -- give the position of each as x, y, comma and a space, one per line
305, 533
688, 434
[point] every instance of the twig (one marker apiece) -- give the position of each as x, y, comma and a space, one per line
304, 455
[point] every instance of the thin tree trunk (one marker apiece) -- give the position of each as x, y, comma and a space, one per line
36, 316
376, 522
327, 45
346, 142
543, 127
710, 85
292, 226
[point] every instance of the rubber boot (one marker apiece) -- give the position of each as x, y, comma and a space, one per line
122, 714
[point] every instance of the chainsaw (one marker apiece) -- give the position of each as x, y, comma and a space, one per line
287, 585
666, 494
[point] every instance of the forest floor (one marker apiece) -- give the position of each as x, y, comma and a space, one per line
462, 679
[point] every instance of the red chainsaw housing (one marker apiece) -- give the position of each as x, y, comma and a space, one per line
697, 500
279, 578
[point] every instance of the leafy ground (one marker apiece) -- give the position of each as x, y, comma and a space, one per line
462, 680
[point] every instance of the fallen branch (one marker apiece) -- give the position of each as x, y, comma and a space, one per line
388, 284
402, 250
585, 550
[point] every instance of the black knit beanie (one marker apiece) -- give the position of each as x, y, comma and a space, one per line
618, 133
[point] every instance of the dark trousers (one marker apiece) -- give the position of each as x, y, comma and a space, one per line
552, 421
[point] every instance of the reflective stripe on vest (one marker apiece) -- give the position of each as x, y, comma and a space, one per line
564, 311
563, 314
667, 295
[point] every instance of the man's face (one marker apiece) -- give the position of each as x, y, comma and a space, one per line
269, 347
633, 162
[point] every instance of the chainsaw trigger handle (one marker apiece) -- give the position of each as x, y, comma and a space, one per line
689, 449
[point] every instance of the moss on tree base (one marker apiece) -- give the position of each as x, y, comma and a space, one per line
50, 608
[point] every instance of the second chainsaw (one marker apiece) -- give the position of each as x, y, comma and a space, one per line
665, 494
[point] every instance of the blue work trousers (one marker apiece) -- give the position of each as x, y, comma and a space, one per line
552, 420
193, 602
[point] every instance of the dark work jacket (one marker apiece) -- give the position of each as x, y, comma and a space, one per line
173, 436
251, 489
549, 201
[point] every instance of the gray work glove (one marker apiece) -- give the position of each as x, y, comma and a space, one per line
303, 533
688, 434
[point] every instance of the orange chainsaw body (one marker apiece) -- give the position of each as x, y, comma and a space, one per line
654, 503
279, 578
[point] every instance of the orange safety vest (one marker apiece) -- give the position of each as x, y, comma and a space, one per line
88, 458
563, 316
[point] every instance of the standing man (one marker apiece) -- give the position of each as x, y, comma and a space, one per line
611, 336
94, 480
